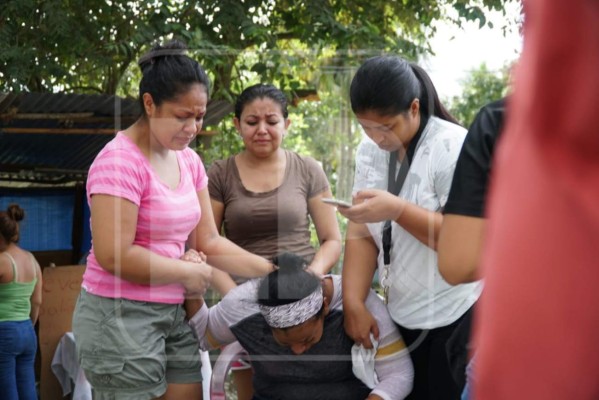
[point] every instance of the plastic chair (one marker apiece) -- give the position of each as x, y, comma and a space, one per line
221, 369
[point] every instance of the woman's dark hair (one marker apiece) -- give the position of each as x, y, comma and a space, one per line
261, 91
288, 284
388, 84
168, 72
9, 223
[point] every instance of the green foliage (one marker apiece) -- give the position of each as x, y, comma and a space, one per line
92, 45
482, 86
83, 46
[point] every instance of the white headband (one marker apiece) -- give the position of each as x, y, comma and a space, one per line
295, 313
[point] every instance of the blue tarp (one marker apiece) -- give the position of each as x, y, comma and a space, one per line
48, 223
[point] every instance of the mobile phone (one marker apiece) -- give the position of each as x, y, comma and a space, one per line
338, 203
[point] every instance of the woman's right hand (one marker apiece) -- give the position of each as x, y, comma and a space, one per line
359, 323
373, 205
199, 274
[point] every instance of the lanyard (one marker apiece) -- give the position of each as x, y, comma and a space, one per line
394, 184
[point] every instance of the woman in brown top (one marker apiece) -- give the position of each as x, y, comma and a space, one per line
265, 196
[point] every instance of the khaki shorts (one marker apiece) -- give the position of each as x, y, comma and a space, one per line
133, 349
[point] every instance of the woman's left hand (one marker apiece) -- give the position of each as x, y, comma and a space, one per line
373, 205
194, 256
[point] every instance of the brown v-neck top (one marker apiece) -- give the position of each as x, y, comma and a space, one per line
272, 222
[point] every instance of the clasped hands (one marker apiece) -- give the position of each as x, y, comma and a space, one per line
198, 281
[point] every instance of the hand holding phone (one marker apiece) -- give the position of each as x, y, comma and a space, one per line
338, 203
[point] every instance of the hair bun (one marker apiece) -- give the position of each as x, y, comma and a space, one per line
171, 48
15, 212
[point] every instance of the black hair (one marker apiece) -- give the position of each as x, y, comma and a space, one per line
389, 84
288, 284
261, 91
9, 223
168, 72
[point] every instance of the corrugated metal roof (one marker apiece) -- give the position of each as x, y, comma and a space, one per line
49, 137
62, 103
48, 157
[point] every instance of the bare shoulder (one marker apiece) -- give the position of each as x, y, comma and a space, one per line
5, 268
35, 262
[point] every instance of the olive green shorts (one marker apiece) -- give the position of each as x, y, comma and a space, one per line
133, 349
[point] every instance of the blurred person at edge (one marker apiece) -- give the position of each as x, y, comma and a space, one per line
462, 232
20, 300
537, 322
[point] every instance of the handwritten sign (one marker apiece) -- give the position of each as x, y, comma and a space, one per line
61, 287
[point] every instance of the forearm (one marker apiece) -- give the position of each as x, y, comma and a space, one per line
327, 230
396, 385
222, 281
421, 223
35, 312
460, 245
226, 256
394, 370
392, 362
199, 323
359, 264
326, 257
212, 325
139, 265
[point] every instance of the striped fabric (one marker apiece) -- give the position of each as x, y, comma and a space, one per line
166, 216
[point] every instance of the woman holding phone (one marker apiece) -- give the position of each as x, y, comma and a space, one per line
403, 174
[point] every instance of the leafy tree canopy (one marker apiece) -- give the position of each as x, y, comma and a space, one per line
92, 45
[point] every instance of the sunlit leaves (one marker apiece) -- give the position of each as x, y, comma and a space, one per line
482, 86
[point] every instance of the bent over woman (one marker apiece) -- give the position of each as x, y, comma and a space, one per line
291, 324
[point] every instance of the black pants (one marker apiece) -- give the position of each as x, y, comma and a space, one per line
433, 379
